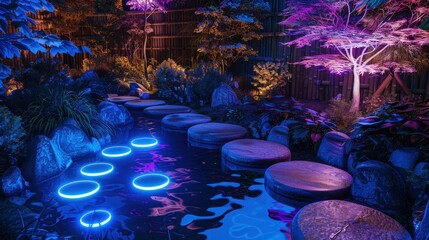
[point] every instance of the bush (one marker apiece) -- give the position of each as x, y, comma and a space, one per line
339, 113
170, 79
270, 79
11, 132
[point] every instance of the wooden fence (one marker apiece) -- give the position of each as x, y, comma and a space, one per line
173, 37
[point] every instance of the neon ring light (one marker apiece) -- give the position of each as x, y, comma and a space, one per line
116, 151
144, 142
151, 181
96, 218
78, 189
96, 169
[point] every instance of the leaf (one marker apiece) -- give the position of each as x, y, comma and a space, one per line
4, 71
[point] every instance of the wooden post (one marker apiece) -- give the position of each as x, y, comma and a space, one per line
383, 86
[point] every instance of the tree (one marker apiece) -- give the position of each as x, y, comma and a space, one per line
360, 31
226, 28
148, 7
15, 13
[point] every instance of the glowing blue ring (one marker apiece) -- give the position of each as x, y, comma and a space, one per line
82, 195
151, 187
95, 173
135, 142
98, 224
123, 151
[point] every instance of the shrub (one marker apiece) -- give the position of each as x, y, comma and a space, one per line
11, 132
270, 79
371, 104
170, 79
339, 113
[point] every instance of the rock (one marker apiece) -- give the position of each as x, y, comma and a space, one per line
224, 96
91, 80
73, 141
422, 232
297, 183
116, 115
290, 123
341, 220
12, 182
406, 158
352, 163
122, 99
279, 134
422, 170
164, 110
214, 135
136, 89
379, 185
44, 160
141, 104
331, 150
181, 122
253, 154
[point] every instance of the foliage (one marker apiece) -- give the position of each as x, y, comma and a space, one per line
371, 104
133, 72
15, 13
359, 31
170, 79
205, 78
338, 111
270, 78
226, 28
11, 132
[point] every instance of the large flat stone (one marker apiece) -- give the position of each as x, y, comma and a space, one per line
182, 121
341, 220
164, 110
301, 182
122, 99
214, 135
253, 154
141, 103
331, 150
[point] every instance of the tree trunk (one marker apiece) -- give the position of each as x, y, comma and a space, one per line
145, 48
356, 91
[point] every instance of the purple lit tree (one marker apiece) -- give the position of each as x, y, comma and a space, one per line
148, 7
361, 31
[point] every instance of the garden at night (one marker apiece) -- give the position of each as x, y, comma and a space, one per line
214, 119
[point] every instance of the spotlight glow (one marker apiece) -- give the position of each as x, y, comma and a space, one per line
116, 151
144, 142
78, 189
151, 181
96, 169
96, 218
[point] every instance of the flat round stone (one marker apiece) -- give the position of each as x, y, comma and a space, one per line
122, 99
341, 220
214, 135
300, 182
142, 103
182, 121
253, 154
164, 110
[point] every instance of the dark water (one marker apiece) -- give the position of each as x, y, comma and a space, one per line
201, 201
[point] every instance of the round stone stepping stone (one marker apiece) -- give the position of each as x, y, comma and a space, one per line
143, 103
341, 220
164, 110
112, 95
298, 183
122, 99
182, 121
214, 135
253, 154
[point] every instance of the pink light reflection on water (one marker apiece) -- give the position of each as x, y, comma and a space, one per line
171, 204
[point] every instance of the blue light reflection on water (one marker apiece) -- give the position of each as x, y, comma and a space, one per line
198, 191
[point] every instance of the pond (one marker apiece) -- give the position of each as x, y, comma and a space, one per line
199, 202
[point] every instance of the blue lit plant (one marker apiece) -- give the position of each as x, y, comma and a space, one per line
11, 137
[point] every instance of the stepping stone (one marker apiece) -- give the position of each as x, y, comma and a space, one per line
122, 99
214, 135
182, 121
341, 220
298, 183
112, 95
253, 154
164, 110
143, 103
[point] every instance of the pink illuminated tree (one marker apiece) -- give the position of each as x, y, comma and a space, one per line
148, 7
361, 31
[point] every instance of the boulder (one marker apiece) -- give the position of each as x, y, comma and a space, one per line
331, 150
45, 160
341, 220
12, 182
279, 134
379, 185
116, 115
352, 163
91, 80
73, 141
136, 89
224, 96
422, 170
422, 232
406, 158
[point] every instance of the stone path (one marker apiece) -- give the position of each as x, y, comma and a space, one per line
164, 110
181, 122
143, 103
214, 135
122, 99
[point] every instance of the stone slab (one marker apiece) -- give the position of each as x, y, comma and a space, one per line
214, 135
122, 99
341, 220
164, 110
143, 103
182, 121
